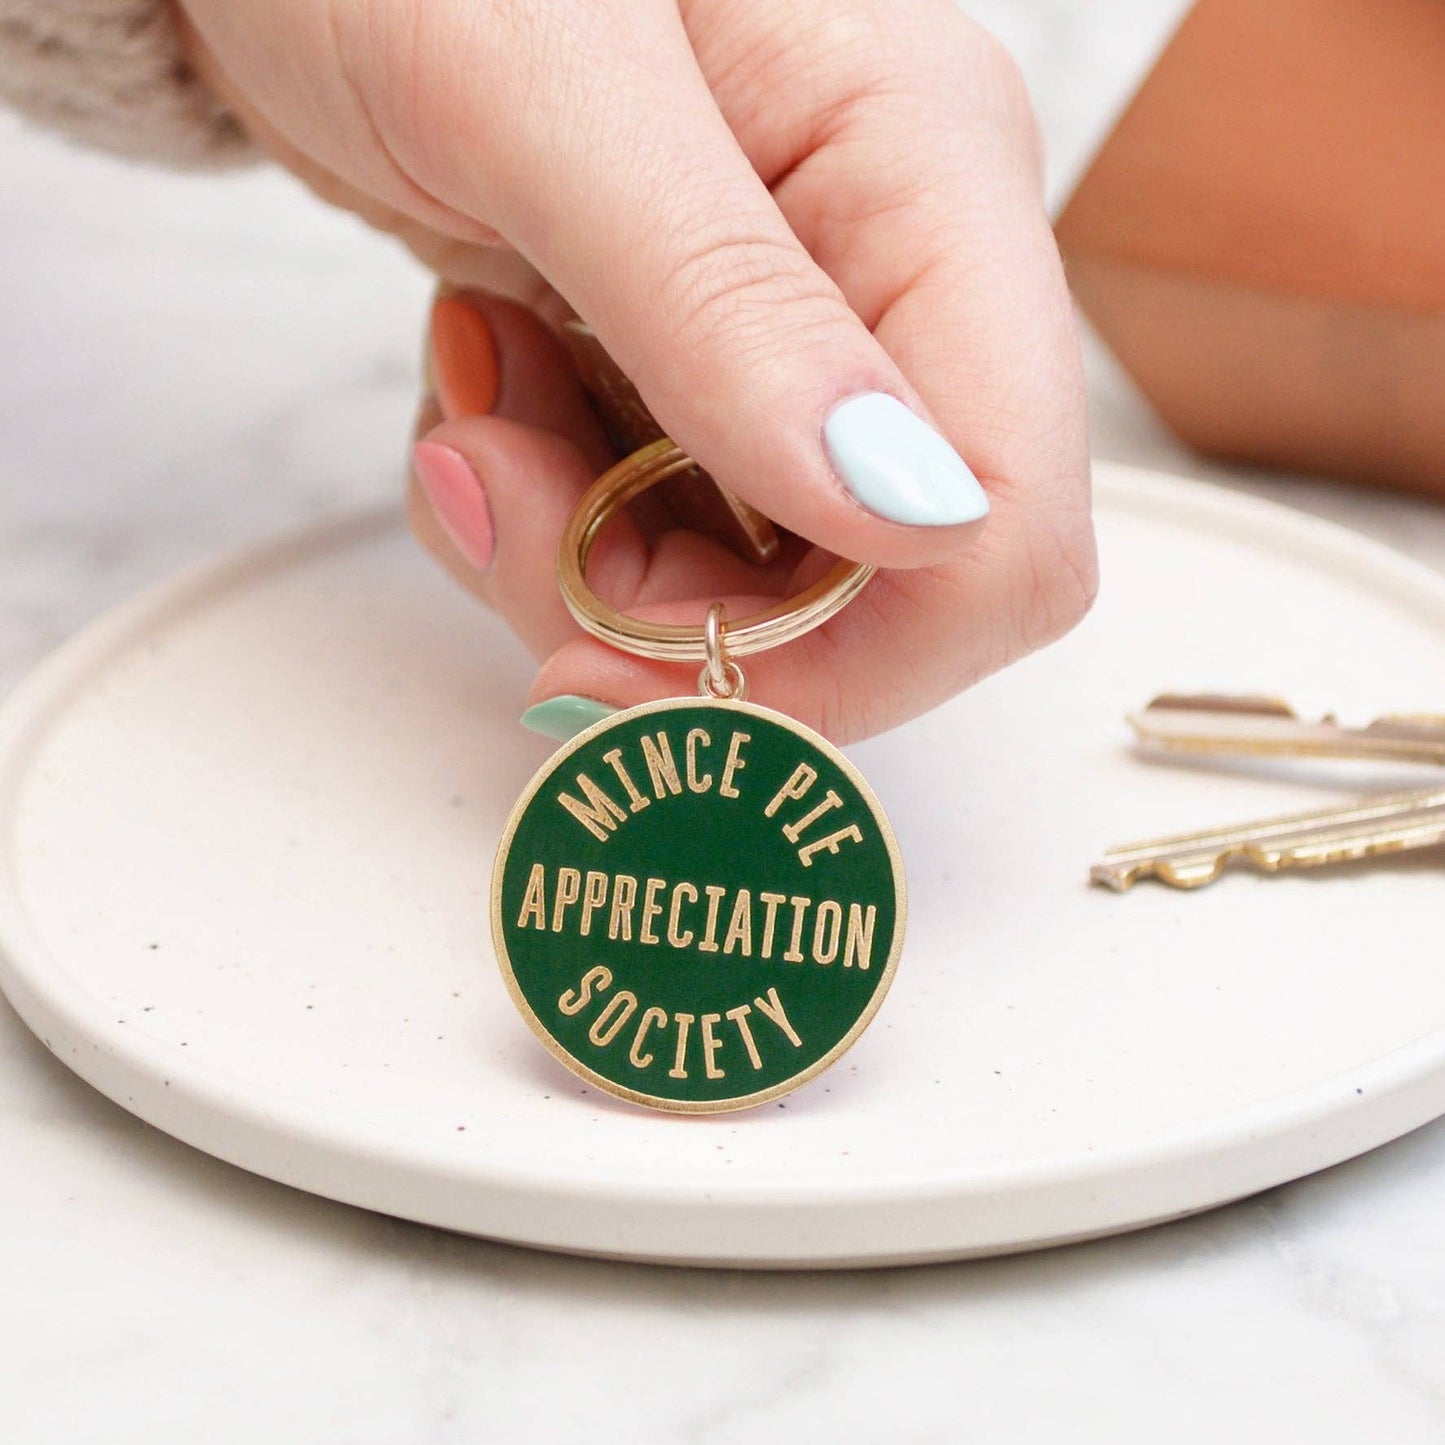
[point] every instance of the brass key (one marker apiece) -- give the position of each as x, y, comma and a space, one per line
1210, 723
1390, 824
1370, 827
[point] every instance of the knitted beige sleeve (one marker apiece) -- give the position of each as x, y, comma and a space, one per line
112, 73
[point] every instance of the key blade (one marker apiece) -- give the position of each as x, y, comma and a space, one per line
1245, 703
1392, 823
1427, 726
1210, 723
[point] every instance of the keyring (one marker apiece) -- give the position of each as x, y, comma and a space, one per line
673, 642
698, 903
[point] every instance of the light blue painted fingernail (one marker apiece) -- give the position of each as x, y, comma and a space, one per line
566, 716
896, 465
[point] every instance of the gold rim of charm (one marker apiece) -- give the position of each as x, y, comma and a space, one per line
662, 1102
673, 642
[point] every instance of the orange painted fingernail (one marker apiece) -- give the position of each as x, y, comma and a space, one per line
463, 358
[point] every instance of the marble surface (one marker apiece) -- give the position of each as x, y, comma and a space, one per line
187, 364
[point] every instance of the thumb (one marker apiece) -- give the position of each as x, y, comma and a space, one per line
636, 202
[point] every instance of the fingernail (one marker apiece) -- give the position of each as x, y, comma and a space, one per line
896, 465
463, 357
458, 498
566, 716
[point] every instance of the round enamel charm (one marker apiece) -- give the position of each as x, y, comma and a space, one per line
698, 905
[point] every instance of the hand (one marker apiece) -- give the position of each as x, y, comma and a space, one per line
766, 212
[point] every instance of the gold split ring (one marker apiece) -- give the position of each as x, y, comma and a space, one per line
672, 642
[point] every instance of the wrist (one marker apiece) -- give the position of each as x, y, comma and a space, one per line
117, 75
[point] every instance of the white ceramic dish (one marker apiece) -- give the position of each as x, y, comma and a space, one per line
246, 825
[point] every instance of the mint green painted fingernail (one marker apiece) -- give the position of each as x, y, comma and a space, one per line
566, 716
896, 465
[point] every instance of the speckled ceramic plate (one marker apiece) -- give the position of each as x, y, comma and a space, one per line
246, 826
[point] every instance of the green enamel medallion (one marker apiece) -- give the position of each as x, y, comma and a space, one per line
698, 905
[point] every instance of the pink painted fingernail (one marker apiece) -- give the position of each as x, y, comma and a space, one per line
458, 498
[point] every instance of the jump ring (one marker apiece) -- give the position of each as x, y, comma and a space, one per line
720, 677
732, 688
712, 641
